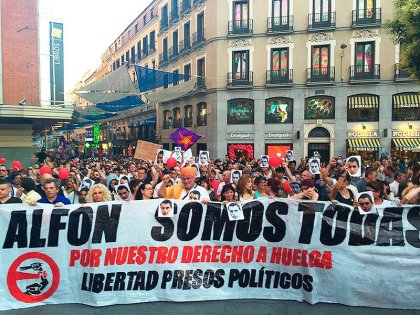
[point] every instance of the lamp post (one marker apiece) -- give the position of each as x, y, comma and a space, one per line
343, 47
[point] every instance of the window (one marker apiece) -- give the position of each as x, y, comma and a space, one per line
240, 20
177, 117
201, 72
144, 19
122, 59
365, 9
175, 43
145, 46
406, 106
319, 107
240, 111
321, 11
188, 116
139, 50
280, 12
152, 41
320, 65
187, 72
136, 27
240, 66
165, 49
279, 110
167, 119
364, 58
176, 77
362, 107
127, 56
279, 70
201, 114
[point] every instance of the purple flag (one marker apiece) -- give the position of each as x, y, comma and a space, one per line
185, 138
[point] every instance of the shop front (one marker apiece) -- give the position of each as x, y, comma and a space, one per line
405, 144
278, 142
363, 143
240, 145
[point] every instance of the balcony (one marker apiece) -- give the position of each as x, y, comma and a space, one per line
323, 75
195, 2
174, 16
184, 46
185, 6
144, 53
365, 74
177, 123
281, 24
240, 28
198, 38
163, 25
240, 79
201, 83
401, 74
188, 121
282, 77
163, 58
152, 49
319, 21
173, 52
364, 18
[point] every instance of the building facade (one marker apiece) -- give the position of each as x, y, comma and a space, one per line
310, 75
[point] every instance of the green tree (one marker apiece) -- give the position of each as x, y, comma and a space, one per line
406, 28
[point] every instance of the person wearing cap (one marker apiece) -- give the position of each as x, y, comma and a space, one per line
182, 190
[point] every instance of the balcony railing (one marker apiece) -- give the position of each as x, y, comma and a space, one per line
240, 78
163, 57
144, 53
321, 20
401, 74
364, 18
198, 38
280, 77
321, 74
152, 49
163, 24
280, 24
184, 45
201, 82
174, 15
166, 124
188, 121
240, 27
177, 123
173, 52
195, 2
185, 6
365, 73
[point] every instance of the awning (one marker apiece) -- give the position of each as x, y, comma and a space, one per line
406, 143
411, 100
371, 144
363, 101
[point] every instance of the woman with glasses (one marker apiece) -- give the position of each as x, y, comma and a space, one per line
145, 192
261, 187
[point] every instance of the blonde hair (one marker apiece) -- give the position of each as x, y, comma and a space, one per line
102, 187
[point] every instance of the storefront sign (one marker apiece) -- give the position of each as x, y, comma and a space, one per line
279, 135
240, 135
399, 134
365, 134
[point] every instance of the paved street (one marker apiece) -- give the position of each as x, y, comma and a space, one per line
232, 307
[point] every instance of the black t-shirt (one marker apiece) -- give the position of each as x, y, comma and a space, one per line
12, 200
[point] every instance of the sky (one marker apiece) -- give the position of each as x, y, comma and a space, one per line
90, 27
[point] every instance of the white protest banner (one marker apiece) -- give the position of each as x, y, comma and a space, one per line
120, 253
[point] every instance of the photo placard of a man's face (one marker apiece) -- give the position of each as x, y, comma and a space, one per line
203, 158
353, 166
366, 202
235, 175
166, 209
314, 166
289, 155
235, 211
264, 161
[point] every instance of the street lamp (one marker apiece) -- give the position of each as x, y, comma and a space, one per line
343, 47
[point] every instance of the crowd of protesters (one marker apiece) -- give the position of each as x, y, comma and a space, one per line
83, 180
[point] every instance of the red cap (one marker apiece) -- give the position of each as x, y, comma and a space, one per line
16, 165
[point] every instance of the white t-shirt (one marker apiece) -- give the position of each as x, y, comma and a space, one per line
201, 190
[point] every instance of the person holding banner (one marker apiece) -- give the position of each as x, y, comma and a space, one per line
98, 193
182, 190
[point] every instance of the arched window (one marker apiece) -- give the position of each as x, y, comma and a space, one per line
202, 114
240, 111
176, 114
319, 132
188, 116
167, 119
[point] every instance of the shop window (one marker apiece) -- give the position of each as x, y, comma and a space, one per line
320, 107
406, 106
240, 111
274, 148
279, 110
241, 151
363, 107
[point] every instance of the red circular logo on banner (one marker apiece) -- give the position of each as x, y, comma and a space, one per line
30, 268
